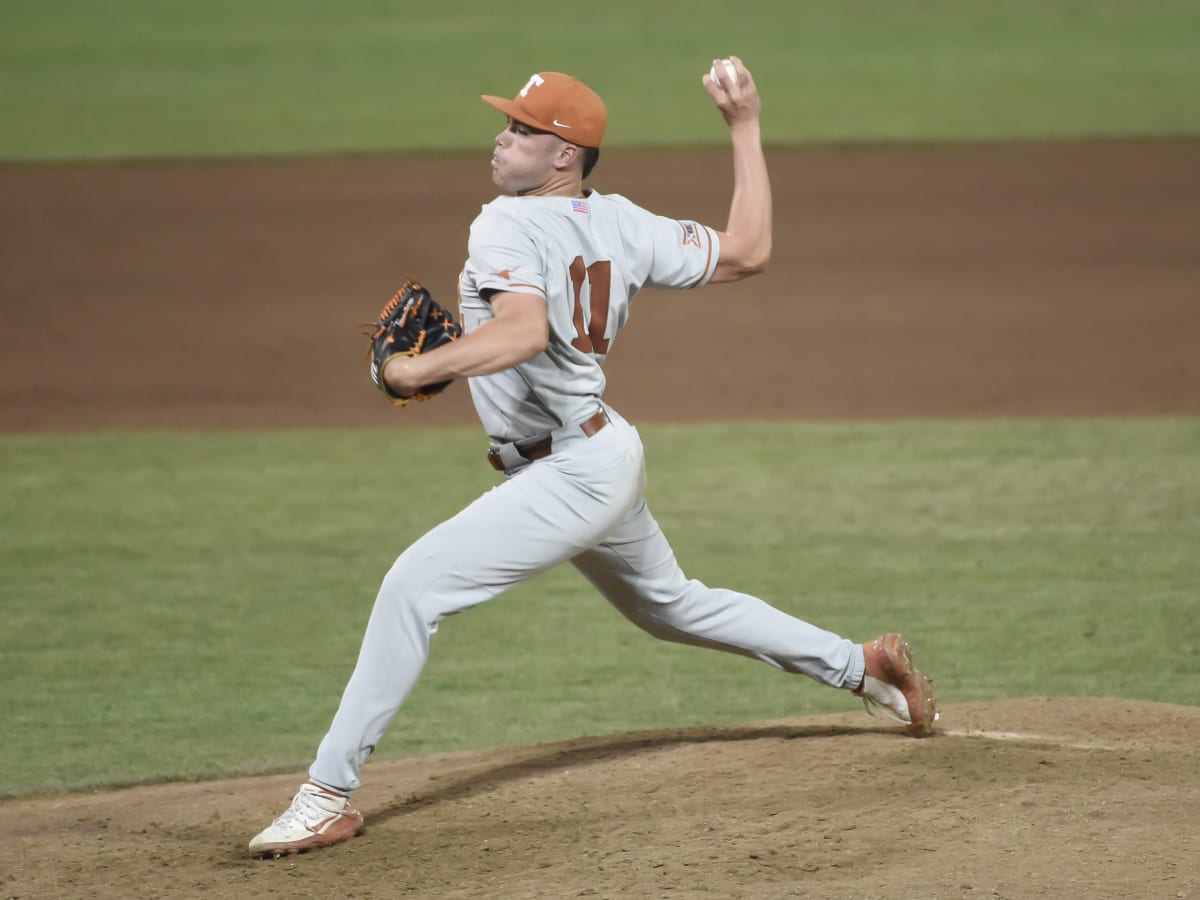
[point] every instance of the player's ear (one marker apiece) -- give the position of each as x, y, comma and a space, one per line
568, 155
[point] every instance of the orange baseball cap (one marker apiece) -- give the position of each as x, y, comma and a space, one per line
560, 104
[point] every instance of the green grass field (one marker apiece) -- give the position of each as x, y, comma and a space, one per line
187, 606
146, 78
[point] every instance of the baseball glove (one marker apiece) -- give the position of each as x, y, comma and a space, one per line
411, 323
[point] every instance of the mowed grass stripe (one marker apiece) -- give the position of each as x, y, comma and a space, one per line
141, 78
188, 606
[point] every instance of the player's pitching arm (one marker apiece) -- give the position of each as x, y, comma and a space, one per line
746, 241
520, 330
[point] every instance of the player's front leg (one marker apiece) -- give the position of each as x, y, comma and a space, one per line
541, 517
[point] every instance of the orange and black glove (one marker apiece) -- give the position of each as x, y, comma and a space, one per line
411, 323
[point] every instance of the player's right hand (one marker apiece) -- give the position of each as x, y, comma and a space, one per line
737, 100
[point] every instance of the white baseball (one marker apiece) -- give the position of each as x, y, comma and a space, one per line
730, 70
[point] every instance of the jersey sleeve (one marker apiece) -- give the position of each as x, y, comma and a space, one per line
504, 255
685, 253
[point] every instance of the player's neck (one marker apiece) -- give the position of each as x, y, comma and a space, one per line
558, 185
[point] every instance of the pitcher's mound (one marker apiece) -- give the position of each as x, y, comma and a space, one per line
1057, 797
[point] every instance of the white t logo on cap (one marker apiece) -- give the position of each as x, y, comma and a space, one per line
534, 81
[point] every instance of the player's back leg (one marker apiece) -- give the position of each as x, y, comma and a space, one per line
636, 571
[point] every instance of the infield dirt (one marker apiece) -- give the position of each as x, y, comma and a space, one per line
1003, 280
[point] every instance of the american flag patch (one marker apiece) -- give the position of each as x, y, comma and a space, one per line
581, 206
690, 235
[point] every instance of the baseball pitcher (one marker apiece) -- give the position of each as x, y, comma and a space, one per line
552, 270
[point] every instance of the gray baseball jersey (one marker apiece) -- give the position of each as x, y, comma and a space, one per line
588, 258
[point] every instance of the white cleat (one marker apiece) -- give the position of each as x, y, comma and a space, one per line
317, 818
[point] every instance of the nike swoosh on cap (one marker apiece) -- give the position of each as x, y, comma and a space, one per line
558, 124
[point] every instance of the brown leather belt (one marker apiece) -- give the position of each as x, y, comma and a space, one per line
543, 448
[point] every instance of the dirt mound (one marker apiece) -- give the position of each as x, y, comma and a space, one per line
1057, 797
